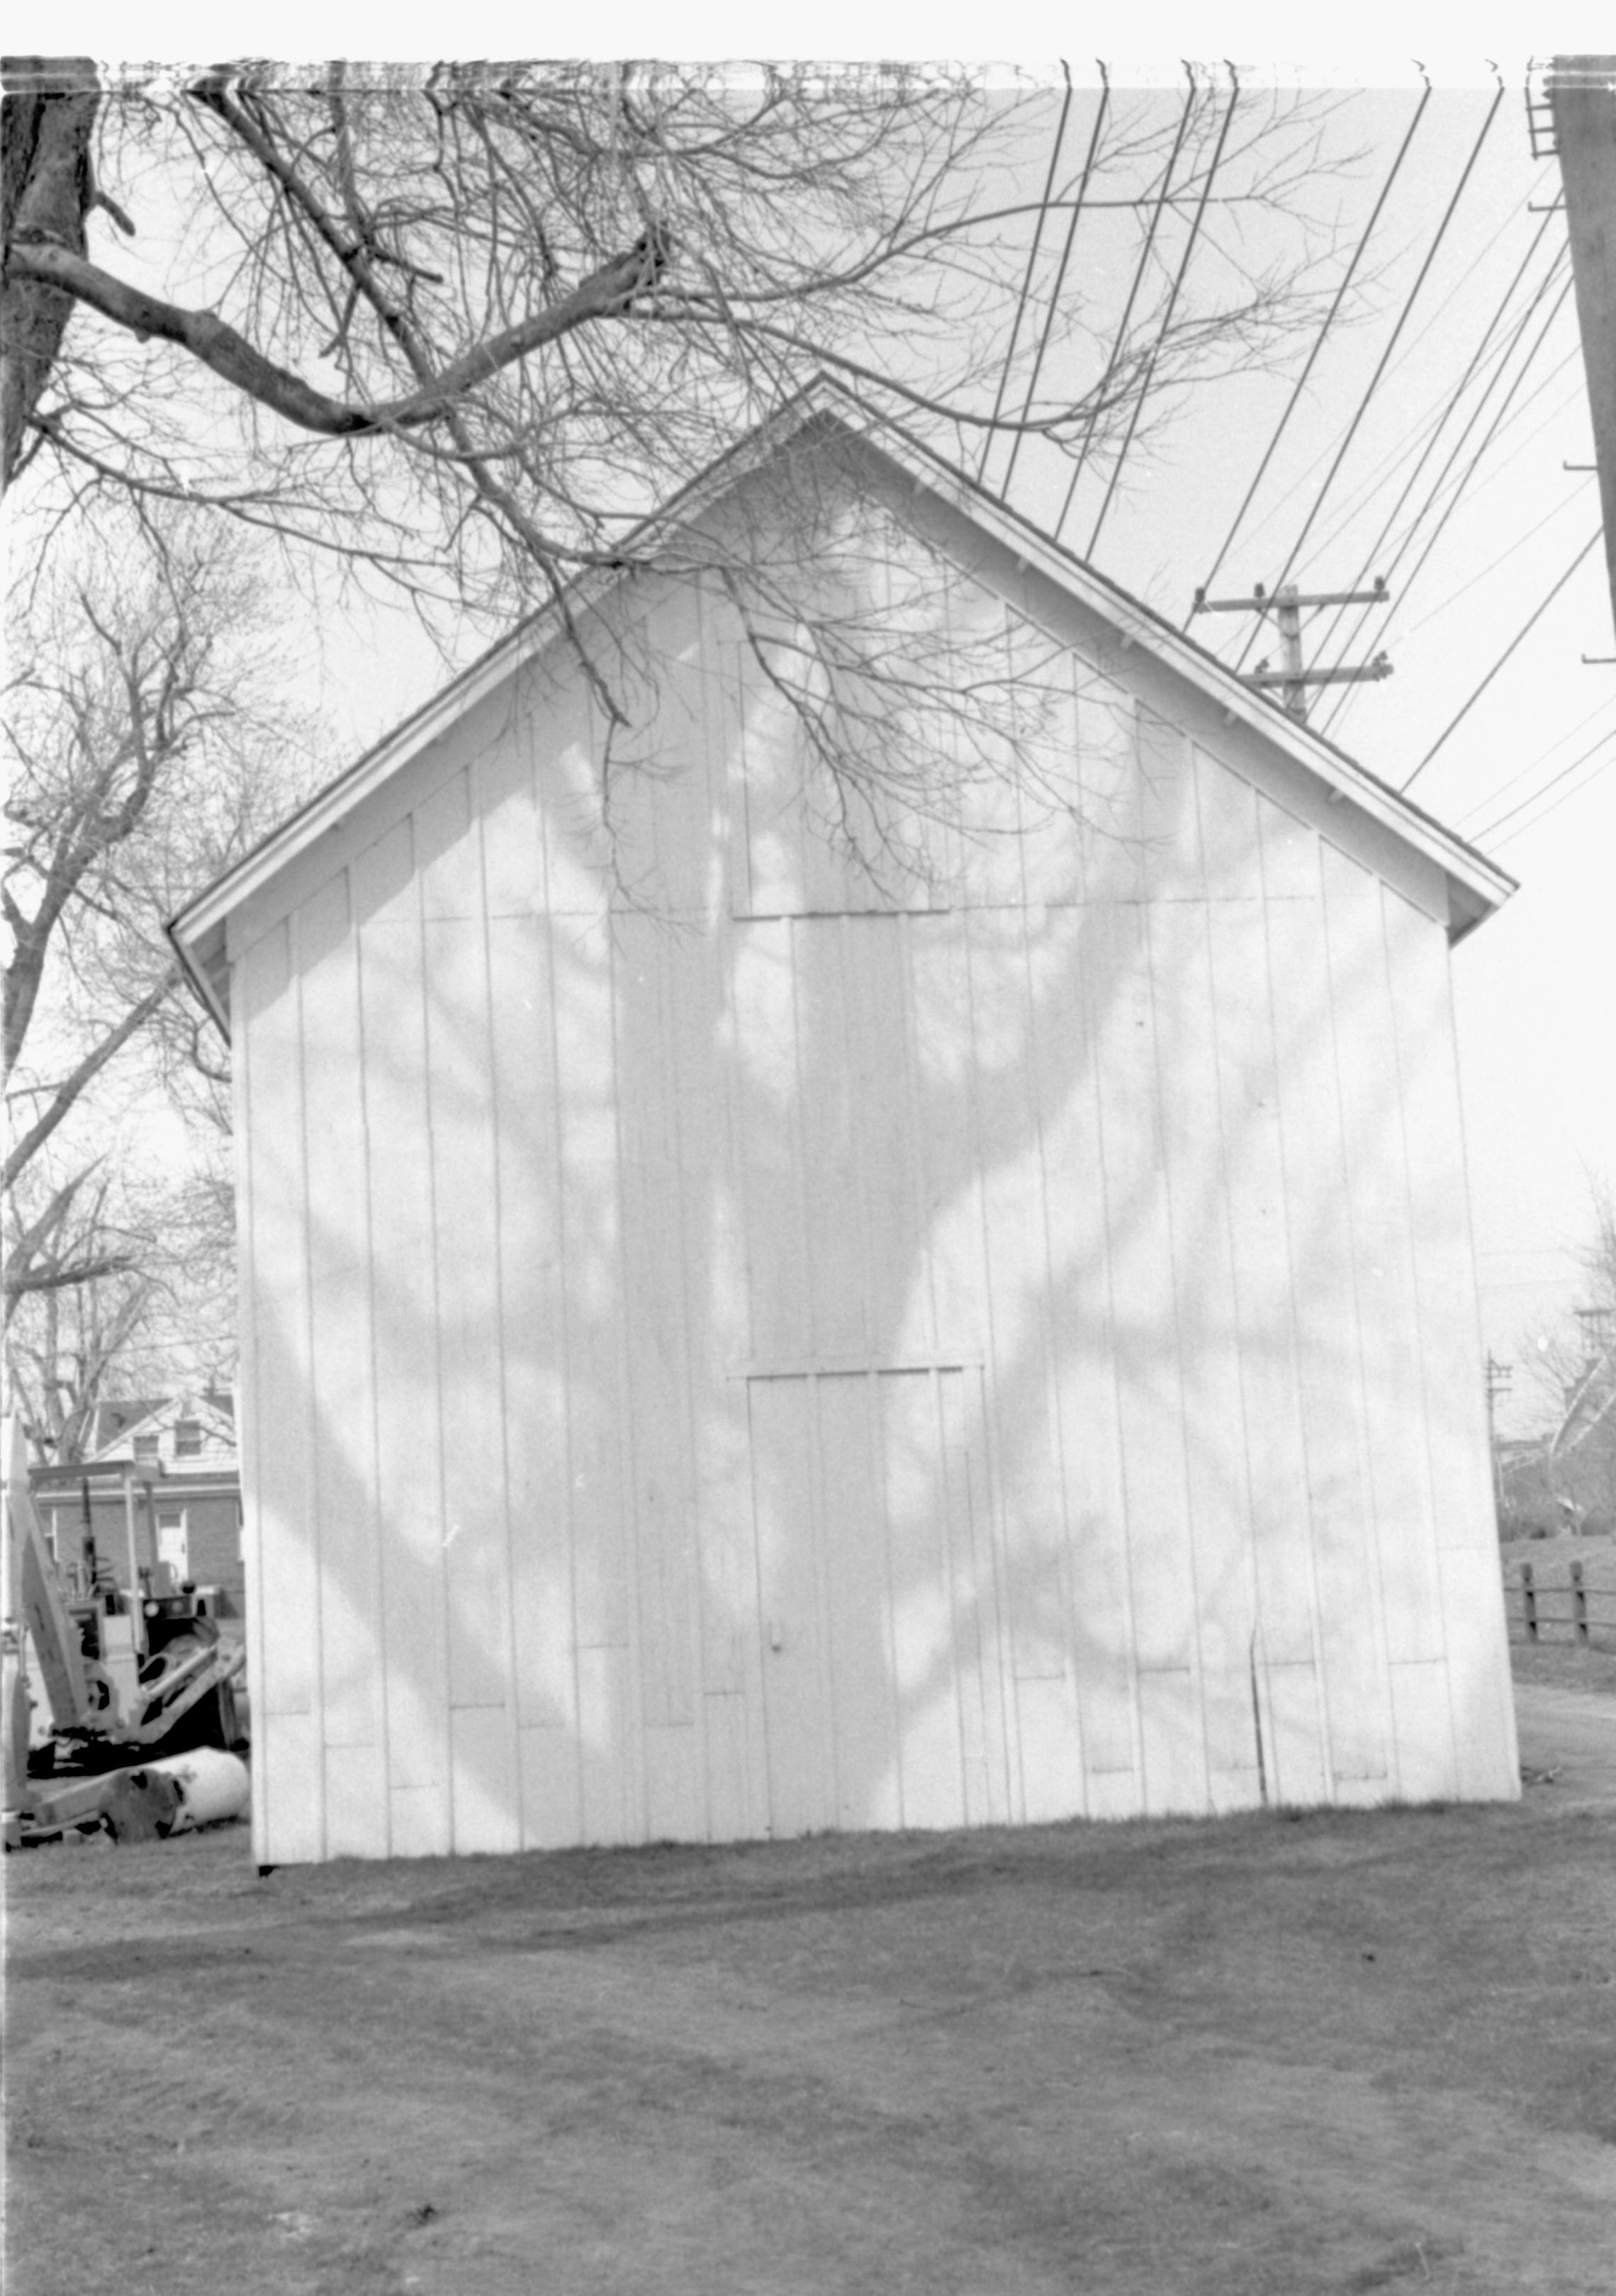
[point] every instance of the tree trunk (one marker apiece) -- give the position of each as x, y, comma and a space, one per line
45, 124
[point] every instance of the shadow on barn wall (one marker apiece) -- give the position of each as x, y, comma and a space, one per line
795, 1348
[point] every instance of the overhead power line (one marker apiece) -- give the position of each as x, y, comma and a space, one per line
1493, 429
1375, 555
1140, 269
1032, 264
1453, 597
1060, 279
1374, 381
1606, 741
1143, 392
1484, 805
1301, 379
1382, 474
1524, 632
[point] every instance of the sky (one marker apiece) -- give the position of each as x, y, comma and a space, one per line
1535, 988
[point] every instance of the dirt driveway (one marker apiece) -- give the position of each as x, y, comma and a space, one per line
1261, 2057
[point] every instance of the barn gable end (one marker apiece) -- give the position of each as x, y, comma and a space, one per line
743, 1336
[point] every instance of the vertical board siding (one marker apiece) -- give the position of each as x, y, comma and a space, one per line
867, 1687
290, 1748
1265, 1342
743, 1341
1071, 990
1325, 1316
603, 1588
1351, 1622
245, 1385
484, 1795
340, 1383
924, 1659
413, 1625
1195, 1173
1444, 1262
1036, 1592
1482, 1718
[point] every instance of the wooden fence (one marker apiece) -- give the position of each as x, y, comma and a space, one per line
1543, 1609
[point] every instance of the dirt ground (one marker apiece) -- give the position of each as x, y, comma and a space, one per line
1266, 2056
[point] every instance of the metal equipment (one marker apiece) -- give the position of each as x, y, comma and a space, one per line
129, 1680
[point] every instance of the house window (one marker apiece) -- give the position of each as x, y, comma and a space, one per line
187, 1438
145, 1447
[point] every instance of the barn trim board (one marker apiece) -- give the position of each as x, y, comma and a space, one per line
987, 1337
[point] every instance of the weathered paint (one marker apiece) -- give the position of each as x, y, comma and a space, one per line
738, 1344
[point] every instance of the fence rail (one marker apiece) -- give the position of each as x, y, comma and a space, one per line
1567, 1609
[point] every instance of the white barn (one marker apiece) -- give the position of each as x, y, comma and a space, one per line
736, 1344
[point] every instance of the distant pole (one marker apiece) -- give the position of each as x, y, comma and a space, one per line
1498, 1378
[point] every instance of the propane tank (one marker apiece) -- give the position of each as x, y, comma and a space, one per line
213, 1786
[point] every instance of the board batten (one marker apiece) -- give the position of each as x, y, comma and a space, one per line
928, 1662
1149, 1373
1348, 1119
581, 959
767, 1112
829, 1142
1248, 1094
533, 1355
533, 1375
656, 1323
1450, 1340
973, 1562
1112, 855
1195, 1176
342, 1387
1070, 984
865, 1690
1035, 1592
948, 1161
1328, 1339
1169, 827
687, 800
289, 1766
392, 986
796, 1674
1409, 1606
884, 1205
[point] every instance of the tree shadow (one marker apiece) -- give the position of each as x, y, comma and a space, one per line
754, 1333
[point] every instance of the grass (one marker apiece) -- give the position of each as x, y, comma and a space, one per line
1266, 2056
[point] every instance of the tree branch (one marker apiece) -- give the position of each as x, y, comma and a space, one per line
90, 1067
606, 293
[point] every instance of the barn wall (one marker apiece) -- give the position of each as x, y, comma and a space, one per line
787, 1346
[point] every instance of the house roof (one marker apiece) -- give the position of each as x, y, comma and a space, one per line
1477, 886
117, 1425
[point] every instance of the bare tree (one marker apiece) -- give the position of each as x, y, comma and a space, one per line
465, 325
147, 746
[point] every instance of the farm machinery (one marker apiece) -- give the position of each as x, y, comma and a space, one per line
141, 1689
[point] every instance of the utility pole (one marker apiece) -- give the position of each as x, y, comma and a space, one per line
1498, 1378
1286, 605
1582, 103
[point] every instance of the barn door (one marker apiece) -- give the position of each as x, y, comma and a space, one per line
877, 1602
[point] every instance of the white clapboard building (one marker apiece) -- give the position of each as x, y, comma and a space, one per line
763, 1314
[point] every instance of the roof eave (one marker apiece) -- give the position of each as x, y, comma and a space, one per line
1477, 886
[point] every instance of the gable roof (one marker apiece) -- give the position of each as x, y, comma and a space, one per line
117, 1425
1477, 886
